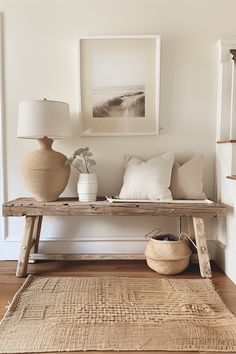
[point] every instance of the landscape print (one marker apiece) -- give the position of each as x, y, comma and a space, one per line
119, 101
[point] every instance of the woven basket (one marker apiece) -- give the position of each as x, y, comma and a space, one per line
168, 257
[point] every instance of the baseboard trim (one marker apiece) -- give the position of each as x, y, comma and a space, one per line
225, 258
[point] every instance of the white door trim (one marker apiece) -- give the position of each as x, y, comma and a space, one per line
3, 189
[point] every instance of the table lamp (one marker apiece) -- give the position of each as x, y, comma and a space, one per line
44, 170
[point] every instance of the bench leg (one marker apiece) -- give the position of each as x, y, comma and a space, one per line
26, 246
36, 237
36, 233
200, 236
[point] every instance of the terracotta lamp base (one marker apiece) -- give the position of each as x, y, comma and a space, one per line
45, 172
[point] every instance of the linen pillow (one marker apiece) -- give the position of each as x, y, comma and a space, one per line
187, 179
148, 179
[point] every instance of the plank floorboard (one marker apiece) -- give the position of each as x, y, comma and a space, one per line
9, 283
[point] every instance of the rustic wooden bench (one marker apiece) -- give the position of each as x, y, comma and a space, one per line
34, 212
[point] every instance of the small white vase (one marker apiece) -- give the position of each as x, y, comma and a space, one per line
87, 187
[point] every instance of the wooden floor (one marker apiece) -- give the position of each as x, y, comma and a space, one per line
9, 284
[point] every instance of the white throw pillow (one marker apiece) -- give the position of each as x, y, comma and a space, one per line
187, 179
148, 179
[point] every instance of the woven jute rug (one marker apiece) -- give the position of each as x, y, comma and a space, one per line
117, 313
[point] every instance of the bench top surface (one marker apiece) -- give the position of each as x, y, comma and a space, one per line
72, 207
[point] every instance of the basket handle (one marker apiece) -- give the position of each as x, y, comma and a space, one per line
183, 234
158, 230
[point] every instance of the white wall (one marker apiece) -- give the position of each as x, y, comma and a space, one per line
41, 42
225, 250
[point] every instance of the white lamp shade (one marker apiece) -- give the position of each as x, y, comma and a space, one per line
43, 118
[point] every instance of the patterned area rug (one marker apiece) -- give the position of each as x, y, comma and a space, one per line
111, 313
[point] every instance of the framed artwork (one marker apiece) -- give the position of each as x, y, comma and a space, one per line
119, 85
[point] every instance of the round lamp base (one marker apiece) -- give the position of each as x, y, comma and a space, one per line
45, 172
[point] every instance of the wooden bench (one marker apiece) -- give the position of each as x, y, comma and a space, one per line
34, 212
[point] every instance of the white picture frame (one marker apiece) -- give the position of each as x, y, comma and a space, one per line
119, 85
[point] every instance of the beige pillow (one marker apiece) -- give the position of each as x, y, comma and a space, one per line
148, 179
187, 179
